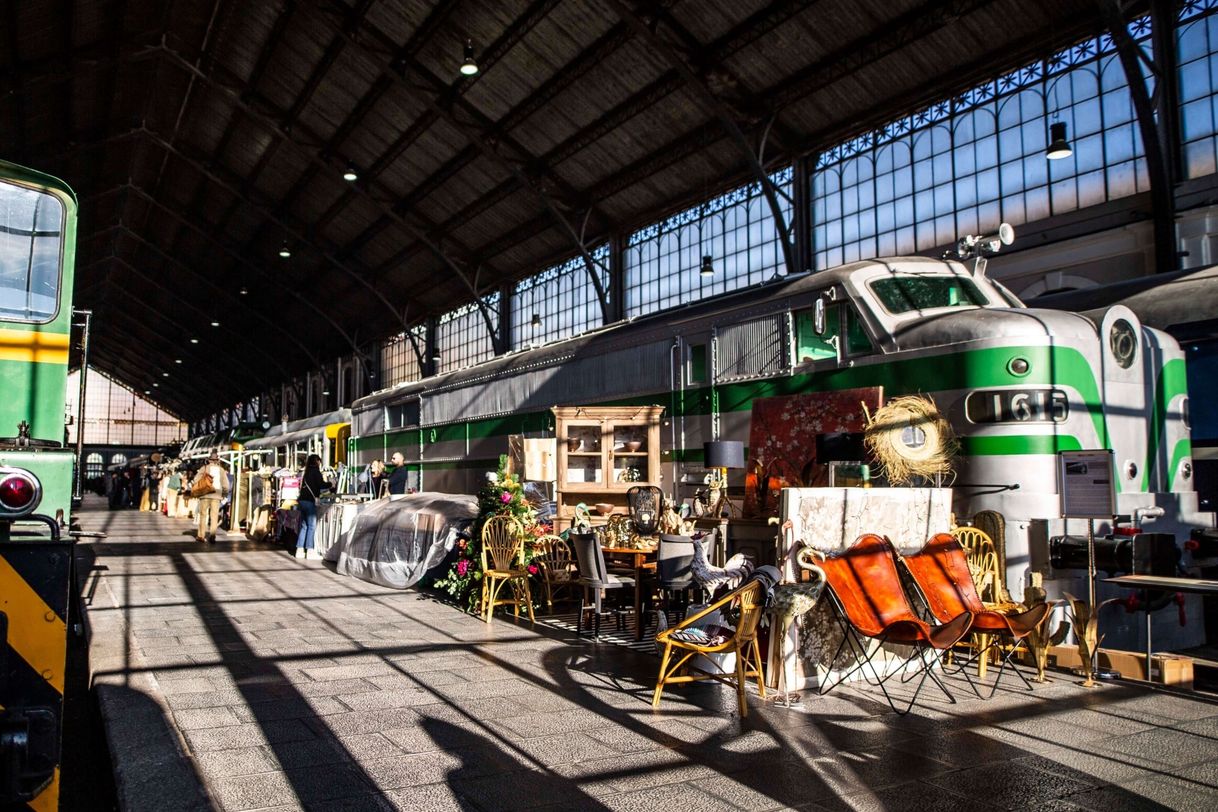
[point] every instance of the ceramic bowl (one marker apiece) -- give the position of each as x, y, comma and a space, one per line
633, 445
573, 443
603, 508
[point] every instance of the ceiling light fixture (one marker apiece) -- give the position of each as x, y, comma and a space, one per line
350, 175
164, 374
1059, 143
156, 384
194, 341
284, 251
325, 392
177, 360
708, 269
468, 65
215, 323
536, 321
244, 291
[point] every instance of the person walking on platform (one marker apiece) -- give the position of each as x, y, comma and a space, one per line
399, 475
173, 484
311, 486
210, 486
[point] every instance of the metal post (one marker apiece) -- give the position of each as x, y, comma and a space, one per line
1095, 655
79, 490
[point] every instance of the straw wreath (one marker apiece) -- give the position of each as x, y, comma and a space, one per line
898, 461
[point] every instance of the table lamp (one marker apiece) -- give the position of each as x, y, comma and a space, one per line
721, 455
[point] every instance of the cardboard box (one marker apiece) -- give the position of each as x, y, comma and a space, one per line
1166, 669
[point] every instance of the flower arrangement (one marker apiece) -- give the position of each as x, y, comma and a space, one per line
501, 495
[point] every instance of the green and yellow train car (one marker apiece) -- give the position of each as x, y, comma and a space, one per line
37, 252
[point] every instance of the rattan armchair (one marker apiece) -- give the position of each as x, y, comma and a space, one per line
558, 571
675, 664
502, 554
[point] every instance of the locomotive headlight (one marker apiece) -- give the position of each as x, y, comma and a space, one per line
1123, 343
1019, 366
20, 493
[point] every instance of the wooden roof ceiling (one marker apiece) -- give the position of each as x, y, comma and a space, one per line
201, 135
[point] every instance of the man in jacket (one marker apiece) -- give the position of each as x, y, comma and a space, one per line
398, 477
209, 503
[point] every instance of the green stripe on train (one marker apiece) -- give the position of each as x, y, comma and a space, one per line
972, 369
1171, 382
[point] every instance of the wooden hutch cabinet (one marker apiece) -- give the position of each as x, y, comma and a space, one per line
603, 451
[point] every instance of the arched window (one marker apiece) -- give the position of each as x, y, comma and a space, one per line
118, 459
93, 465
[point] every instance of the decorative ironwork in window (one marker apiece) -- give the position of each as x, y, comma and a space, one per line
463, 337
965, 164
560, 302
1197, 54
736, 230
116, 415
399, 361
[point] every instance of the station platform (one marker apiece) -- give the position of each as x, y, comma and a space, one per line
233, 676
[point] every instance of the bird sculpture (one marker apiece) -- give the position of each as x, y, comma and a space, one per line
792, 601
732, 574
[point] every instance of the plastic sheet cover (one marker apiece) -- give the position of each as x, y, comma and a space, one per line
396, 541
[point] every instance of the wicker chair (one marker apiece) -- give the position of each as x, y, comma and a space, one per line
502, 548
558, 569
743, 643
984, 564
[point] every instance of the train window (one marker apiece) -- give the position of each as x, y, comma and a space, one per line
902, 294
31, 231
697, 363
857, 341
812, 347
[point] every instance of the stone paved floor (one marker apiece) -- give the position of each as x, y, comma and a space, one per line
236, 677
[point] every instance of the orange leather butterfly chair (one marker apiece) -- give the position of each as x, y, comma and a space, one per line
871, 603
940, 570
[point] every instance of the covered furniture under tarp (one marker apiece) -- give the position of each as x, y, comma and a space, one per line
396, 541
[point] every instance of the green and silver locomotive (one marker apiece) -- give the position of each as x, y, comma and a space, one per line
37, 248
1018, 386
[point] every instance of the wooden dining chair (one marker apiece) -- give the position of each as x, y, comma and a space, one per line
502, 556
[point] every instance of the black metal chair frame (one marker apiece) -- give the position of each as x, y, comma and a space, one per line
926, 654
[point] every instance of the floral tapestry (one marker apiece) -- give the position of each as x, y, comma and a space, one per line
782, 440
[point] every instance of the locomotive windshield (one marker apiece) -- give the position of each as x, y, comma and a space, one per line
31, 232
903, 294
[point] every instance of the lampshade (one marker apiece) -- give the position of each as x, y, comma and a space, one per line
1059, 144
469, 66
724, 454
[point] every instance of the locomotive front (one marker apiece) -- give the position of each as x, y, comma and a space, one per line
37, 239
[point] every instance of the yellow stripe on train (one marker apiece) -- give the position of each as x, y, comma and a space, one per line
31, 345
35, 632
48, 799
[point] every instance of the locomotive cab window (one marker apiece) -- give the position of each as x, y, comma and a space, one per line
810, 347
31, 237
906, 294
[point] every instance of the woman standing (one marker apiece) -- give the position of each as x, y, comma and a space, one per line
311, 486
